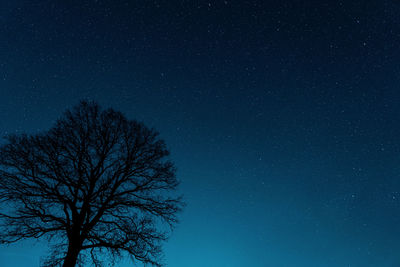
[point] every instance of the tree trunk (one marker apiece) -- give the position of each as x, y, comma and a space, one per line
72, 256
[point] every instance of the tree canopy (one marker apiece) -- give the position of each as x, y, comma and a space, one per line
94, 182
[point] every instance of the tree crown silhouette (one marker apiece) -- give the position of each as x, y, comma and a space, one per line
96, 182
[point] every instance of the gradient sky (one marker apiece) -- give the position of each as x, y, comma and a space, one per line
282, 116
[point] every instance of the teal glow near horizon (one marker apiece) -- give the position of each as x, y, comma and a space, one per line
281, 117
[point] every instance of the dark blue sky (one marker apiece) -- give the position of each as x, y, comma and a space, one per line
282, 116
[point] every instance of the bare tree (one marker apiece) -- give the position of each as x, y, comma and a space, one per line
96, 182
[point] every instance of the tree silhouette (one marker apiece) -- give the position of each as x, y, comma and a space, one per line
94, 183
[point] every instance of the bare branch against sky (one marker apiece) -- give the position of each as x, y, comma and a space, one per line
94, 182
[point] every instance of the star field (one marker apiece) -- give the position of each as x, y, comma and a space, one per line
281, 116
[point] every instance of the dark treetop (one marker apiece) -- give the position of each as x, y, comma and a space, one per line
94, 182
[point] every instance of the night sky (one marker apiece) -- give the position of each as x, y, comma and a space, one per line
282, 116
